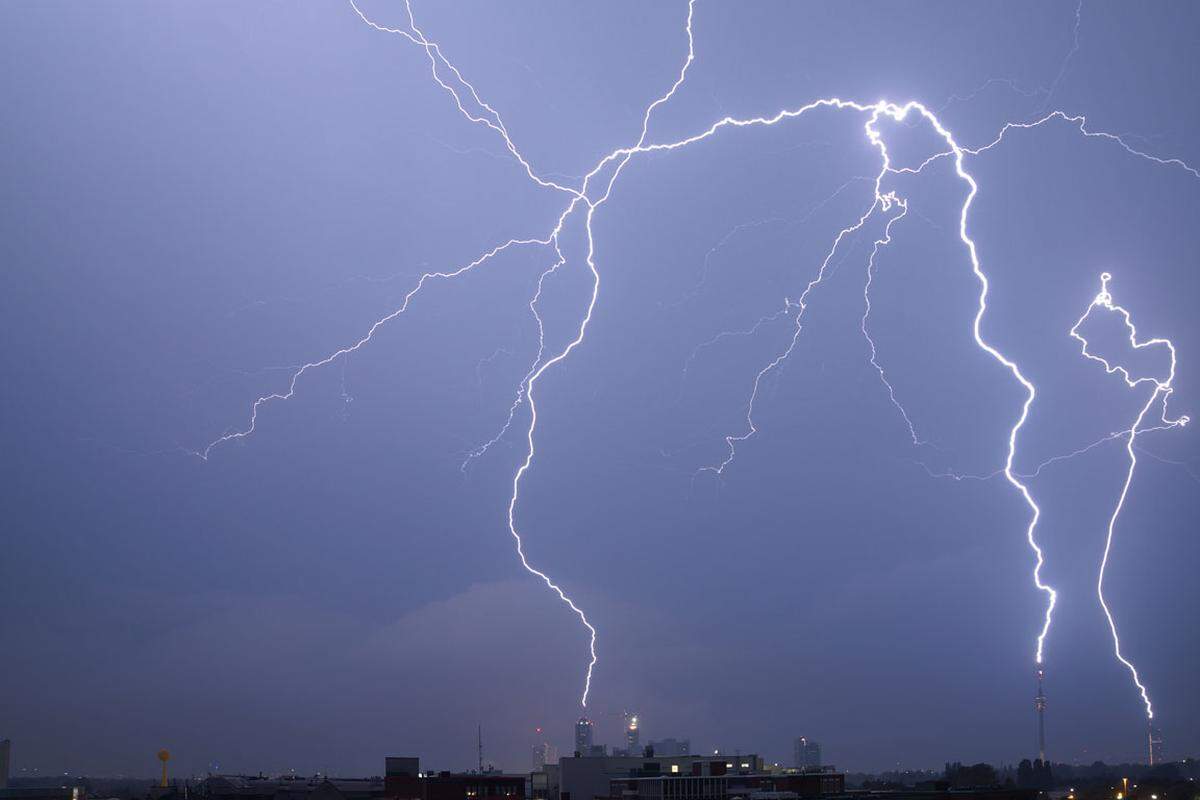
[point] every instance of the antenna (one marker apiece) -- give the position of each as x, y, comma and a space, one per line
479, 741
1039, 703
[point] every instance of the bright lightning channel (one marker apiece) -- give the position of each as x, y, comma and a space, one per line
446, 75
1161, 394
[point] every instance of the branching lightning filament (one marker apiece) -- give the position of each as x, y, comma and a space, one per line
1159, 396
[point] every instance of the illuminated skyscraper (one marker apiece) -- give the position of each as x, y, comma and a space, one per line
808, 753
583, 736
632, 737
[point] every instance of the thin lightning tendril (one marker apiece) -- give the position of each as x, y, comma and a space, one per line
801, 303
447, 76
788, 307
1161, 394
882, 242
370, 334
1037, 470
541, 349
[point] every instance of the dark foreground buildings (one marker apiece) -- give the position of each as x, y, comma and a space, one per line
405, 781
724, 777
725, 785
244, 787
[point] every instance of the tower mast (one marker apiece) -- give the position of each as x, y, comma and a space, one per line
1155, 739
1039, 703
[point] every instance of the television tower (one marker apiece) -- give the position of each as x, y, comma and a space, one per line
1039, 703
1155, 740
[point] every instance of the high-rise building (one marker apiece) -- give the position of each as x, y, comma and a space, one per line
544, 753
583, 736
808, 753
5, 752
632, 736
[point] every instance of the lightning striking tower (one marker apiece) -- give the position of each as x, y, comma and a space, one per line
1154, 742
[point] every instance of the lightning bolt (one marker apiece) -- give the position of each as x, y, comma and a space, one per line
884, 201
587, 202
1161, 394
1031, 392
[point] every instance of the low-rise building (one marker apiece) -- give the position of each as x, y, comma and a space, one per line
544, 783
719, 783
589, 778
405, 781
252, 787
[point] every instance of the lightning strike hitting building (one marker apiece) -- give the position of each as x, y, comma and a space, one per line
584, 199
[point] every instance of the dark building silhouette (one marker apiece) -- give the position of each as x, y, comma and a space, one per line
61, 787
1034, 774
67, 791
250, 787
671, 747
589, 778
405, 781
722, 784
970, 776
